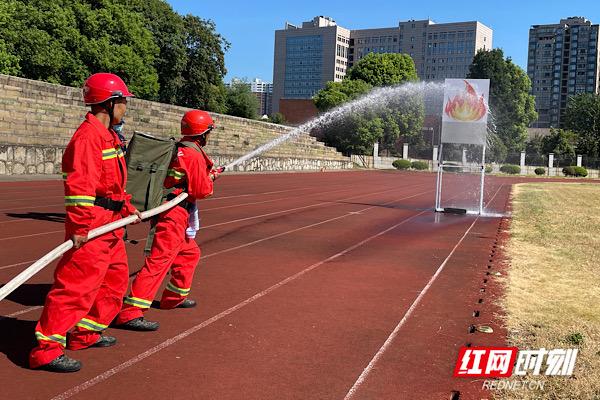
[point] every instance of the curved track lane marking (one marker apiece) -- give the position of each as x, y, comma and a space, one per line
31, 235
223, 223
298, 208
132, 361
17, 264
245, 244
207, 199
309, 226
363, 376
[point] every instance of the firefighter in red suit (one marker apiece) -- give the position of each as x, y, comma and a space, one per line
90, 279
173, 249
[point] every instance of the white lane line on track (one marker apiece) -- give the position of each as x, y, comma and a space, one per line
207, 199
32, 235
10, 221
269, 201
132, 361
32, 207
17, 264
363, 376
60, 195
204, 209
292, 209
251, 243
233, 221
307, 226
17, 313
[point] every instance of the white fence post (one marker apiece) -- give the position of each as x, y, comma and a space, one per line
579, 157
405, 151
551, 171
522, 163
376, 163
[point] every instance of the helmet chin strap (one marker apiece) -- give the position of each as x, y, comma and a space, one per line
109, 106
200, 138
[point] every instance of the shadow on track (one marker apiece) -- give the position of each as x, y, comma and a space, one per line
397, 206
31, 294
52, 217
17, 340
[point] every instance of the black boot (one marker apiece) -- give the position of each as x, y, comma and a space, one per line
62, 364
139, 324
105, 341
187, 303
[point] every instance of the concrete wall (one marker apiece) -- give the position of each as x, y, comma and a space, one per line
37, 120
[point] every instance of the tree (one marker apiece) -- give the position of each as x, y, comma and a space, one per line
277, 118
512, 107
241, 102
402, 117
168, 33
582, 116
384, 69
562, 143
205, 68
160, 54
337, 93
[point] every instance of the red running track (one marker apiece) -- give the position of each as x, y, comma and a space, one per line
311, 286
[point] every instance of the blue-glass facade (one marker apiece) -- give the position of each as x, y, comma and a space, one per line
303, 66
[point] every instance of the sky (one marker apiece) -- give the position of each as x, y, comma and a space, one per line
250, 26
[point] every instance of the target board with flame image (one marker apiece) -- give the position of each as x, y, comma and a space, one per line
465, 110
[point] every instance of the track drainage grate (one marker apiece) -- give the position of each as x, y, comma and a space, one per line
454, 395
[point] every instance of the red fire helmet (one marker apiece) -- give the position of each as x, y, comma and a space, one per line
196, 122
104, 86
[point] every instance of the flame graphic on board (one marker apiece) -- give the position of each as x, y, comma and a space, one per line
466, 106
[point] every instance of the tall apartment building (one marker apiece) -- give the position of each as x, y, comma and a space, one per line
263, 92
319, 51
562, 61
306, 58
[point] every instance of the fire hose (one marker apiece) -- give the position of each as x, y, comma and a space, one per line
66, 246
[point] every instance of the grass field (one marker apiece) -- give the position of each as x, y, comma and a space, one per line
553, 286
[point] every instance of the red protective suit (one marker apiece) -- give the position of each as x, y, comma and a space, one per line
89, 282
171, 248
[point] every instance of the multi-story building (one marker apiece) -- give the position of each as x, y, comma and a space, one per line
562, 61
439, 51
319, 51
263, 92
306, 58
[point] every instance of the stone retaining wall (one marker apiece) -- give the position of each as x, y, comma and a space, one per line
37, 119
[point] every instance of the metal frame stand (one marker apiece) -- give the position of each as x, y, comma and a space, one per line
440, 179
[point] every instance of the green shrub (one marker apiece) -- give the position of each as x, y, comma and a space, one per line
488, 169
510, 169
540, 171
569, 171
401, 164
420, 165
575, 171
580, 171
575, 338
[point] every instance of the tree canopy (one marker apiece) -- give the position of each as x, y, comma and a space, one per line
513, 108
401, 118
160, 54
241, 102
582, 116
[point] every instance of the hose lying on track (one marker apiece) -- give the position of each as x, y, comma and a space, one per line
66, 246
